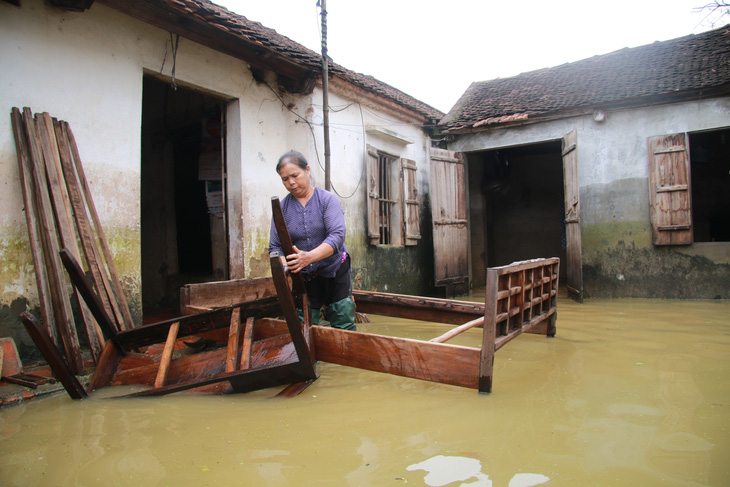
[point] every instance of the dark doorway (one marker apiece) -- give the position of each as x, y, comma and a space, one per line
710, 177
183, 181
516, 206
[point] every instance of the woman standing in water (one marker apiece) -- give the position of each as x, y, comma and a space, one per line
316, 225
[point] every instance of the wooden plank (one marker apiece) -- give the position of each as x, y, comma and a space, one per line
225, 293
61, 156
59, 293
435, 362
247, 344
167, 354
417, 307
293, 390
90, 297
126, 322
53, 356
246, 380
81, 219
32, 217
233, 341
196, 324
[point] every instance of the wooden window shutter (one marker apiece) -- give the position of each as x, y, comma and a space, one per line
373, 195
411, 221
669, 190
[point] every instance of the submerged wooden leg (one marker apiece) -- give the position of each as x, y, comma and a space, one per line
486, 359
289, 310
247, 344
167, 355
233, 339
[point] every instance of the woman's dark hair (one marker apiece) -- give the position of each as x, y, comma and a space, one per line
292, 157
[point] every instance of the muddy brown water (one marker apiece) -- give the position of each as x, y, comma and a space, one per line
630, 392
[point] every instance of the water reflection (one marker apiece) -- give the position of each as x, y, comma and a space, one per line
630, 392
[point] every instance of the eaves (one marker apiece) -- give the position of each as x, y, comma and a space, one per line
526, 118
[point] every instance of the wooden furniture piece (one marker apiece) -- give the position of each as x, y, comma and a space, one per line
520, 298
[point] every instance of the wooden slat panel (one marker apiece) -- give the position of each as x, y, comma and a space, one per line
574, 250
411, 218
373, 190
669, 190
448, 211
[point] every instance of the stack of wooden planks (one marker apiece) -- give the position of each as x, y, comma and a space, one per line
60, 214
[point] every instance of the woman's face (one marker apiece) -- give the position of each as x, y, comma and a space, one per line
295, 179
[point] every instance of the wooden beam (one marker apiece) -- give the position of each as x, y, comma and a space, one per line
53, 356
435, 362
417, 307
286, 244
458, 330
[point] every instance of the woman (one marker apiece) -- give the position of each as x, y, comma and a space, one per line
316, 225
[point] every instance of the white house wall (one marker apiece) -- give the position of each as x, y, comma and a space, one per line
87, 69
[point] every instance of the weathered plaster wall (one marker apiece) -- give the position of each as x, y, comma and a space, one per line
618, 256
87, 68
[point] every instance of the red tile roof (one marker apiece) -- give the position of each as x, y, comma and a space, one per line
682, 68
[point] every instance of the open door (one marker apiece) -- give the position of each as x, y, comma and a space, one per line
448, 213
574, 264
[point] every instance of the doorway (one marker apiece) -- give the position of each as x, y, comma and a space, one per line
183, 214
516, 206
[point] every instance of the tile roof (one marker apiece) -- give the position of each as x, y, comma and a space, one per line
234, 28
681, 67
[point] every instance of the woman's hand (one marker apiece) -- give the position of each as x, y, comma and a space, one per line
300, 259
297, 261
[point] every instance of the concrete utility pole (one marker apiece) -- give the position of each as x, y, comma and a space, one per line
325, 101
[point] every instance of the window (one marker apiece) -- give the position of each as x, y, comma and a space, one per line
689, 178
392, 199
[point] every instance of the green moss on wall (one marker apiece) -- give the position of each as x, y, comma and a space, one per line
599, 236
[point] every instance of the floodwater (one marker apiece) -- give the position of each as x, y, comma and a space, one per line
629, 393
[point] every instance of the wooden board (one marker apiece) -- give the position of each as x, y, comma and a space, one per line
435, 362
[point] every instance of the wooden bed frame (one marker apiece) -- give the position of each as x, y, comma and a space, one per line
260, 342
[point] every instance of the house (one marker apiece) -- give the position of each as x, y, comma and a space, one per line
180, 109
619, 164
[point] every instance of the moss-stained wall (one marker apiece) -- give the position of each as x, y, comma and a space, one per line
395, 269
619, 260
